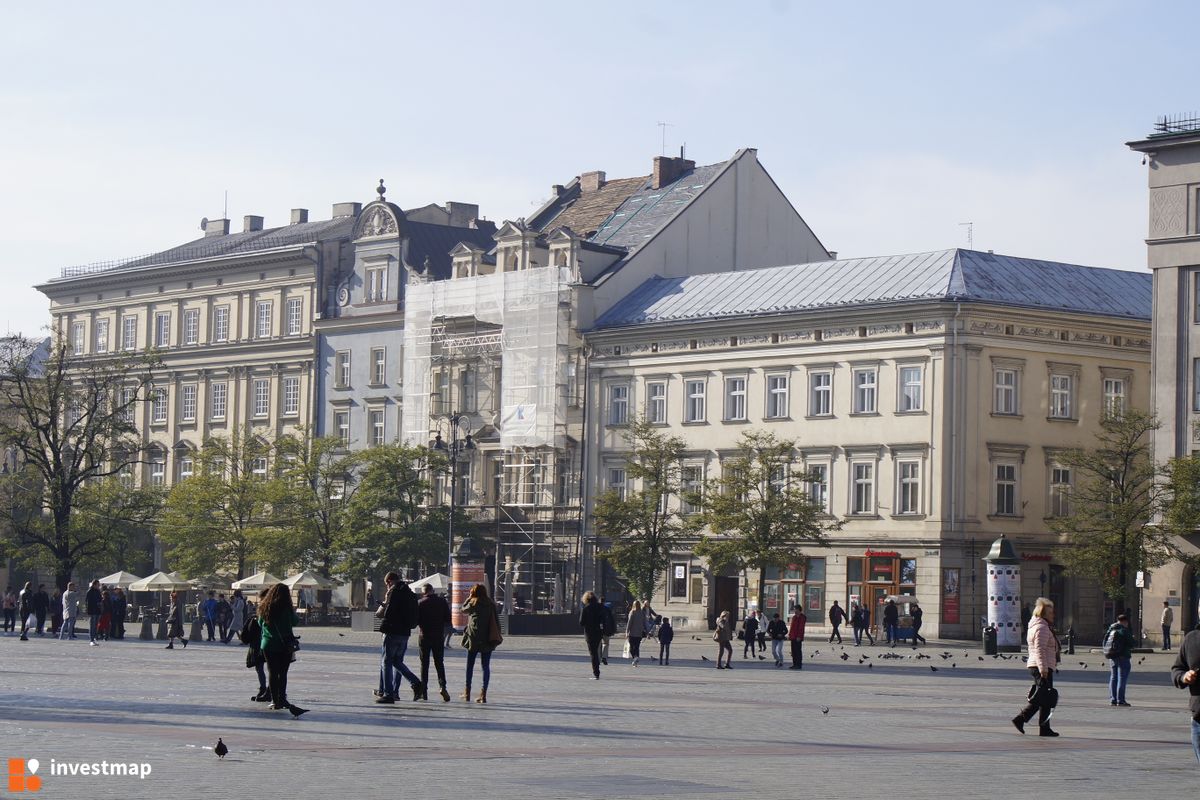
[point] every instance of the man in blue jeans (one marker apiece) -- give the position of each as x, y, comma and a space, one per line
399, 615
1121, 658
1185, 674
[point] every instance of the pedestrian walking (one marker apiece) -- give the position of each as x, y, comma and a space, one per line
481, 637
224, 618
762, 631
917, 615
25, 610
105, 621
70, 611
635, 631
749, 634
1118, 649
865, 613
1185, 674
41, 605
777, 629
837, 615
723, 636
1168, 617
10, 610
891, 622
591, 619
666, 635
277, 616
1043, 660
120, 608
92, 601
796, 637
208, 612
610, 630
856, 623
175, 622
433, 614
399, 615
237, 615
251, 635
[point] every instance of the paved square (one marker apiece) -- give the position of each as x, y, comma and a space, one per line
896, 728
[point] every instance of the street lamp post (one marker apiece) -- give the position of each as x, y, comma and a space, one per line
458, 449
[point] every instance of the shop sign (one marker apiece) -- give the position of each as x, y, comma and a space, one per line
883, 553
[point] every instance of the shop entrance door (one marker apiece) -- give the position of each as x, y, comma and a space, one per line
725, 598
879, 594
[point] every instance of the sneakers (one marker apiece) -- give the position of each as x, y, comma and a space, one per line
387, 698
1123, 703
377, 692
93, 644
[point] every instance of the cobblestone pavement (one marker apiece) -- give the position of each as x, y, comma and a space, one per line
896, 728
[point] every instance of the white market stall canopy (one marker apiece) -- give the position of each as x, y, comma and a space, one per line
258, 580
438, 581
121, 580
308, 580
159, 582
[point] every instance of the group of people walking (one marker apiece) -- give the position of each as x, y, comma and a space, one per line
36, 612
599, 626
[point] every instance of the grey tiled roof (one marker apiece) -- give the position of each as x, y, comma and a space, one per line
949, 275
436, 242
645, 211
251, 242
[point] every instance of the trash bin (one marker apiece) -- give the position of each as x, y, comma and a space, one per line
1071, 640
147, 629
989, 640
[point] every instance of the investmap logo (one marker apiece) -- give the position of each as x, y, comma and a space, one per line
22, 775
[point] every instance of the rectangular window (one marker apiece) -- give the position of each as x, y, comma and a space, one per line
221, 324
378, 366
777, 396
375, 427
187, 402
294, 310
1005, 381
162, 329
341, 422
866, 382
693, 410
1114, 396
101, 336
691, 486
262, 397
1060, 491
467, 394
616, 481
262, 317
77, 338
129, 333
1060, 396
191, 326
818, 486
158, 405
258, 467
679, 580
618, 404
820, 394
291, 396
158, 470
1006, 489
1196, 384
909, 489
376, 285
656, 402
497, 386
735, 399
863, 495
128, 404
341, 369
912, 394
220, 397
187, 467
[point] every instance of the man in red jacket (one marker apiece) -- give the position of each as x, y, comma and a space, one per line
796, 636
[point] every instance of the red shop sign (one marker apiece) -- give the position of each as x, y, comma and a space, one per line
883, 553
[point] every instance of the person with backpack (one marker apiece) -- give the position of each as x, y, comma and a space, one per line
777, 629
399, 615
1043, 660
1118, 649
610, 630
749, 633
250, 635
591, 619
666, 635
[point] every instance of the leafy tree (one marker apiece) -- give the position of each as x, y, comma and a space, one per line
1181, 510
223, 517
1115, 495
389, 523
641, 526
65, 421
106, 510
760, 516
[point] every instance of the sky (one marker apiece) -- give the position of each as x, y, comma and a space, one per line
888, 125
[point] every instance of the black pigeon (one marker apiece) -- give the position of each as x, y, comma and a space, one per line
953, 664
933, 668
341, 634
704, 658
981, 658
845, 656
870, 665
824, 709
762, 658
220, 749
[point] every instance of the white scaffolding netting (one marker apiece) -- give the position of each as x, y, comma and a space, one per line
531, 308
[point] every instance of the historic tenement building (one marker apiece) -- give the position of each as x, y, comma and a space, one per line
929, 394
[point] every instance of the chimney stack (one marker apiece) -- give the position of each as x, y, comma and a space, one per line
591, 181
667, 170
216, 227
461, 214
346, 209
299, 215
251, 223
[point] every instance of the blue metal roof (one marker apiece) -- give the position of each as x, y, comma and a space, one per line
951, 275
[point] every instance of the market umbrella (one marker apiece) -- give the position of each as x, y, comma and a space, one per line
258, 580
308, 580
121, 579
159, 582
438, 581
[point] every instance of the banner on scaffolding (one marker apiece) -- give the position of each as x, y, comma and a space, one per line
519, 420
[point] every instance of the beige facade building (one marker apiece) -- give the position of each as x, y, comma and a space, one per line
928, 394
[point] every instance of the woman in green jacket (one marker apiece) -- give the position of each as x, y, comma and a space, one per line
276, 616
480, 637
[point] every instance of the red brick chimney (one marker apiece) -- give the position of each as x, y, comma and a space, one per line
668, 169
591, 181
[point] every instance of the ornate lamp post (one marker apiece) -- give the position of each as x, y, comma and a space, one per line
458, 450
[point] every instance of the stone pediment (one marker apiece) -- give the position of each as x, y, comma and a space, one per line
379, 220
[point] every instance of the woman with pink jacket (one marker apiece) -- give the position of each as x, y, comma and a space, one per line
1043, 659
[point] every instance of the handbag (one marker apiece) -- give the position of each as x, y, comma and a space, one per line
494, 636
625, 650
1042, 695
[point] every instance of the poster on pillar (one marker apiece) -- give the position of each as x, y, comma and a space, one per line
1004, 603
466, 575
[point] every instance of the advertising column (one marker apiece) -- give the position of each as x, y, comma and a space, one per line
468, 569
1004, 594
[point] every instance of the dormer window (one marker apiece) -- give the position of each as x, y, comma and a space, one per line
376, 284
511, 261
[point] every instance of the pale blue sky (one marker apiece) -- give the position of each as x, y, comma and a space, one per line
887, 124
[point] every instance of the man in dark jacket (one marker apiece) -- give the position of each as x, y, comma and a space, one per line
1185, 674
891, 622
591, 619
399, 615
750, 632
433, 615
41, 605
1121, 659
610, 630
92, 601
796, 635
777, 629
917, 616
836, 617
